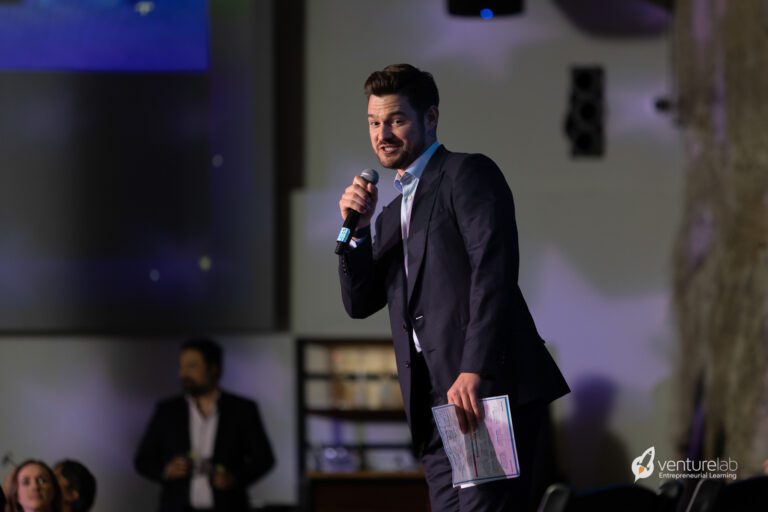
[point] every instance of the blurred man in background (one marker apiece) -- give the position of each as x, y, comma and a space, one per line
206, 446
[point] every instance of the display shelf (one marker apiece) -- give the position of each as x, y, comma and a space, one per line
352, 383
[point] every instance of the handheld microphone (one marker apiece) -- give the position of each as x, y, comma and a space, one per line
350, 223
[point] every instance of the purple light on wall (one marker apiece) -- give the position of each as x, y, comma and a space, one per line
611, 18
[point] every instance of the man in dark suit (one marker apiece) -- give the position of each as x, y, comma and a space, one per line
207, 446
445, 262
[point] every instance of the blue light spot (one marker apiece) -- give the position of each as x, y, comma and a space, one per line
486, 14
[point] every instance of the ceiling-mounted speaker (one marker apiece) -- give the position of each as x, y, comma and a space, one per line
485, 9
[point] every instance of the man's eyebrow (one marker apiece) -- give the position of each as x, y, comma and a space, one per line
395, 113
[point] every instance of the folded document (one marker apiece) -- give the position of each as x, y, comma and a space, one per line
482, 456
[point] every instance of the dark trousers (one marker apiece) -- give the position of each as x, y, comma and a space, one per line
511, 495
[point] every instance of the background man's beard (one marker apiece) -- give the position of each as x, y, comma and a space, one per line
194, 389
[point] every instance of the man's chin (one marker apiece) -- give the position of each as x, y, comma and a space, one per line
193, 390
392, 163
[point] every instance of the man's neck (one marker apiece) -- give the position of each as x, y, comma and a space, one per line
207, 401
427, 145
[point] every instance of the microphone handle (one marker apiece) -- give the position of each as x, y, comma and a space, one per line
345, 235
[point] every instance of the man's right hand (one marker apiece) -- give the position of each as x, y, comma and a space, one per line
360, 196
177, 468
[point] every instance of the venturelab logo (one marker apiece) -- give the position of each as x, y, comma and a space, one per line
643, 467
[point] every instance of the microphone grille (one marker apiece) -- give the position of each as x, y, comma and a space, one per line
370, 175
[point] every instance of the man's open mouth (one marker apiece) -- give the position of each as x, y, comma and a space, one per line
389, 149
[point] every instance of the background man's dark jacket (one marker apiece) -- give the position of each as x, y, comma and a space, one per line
241, 446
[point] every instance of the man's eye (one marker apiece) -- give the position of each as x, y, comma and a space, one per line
373, 123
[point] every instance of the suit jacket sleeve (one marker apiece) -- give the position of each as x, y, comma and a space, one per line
485, 216
258, 458
362, 278
148, 460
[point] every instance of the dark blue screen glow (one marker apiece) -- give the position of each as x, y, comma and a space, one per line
104, 35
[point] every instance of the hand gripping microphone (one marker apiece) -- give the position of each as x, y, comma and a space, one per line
350, 223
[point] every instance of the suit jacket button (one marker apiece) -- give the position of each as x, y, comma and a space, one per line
405, 327
407, 364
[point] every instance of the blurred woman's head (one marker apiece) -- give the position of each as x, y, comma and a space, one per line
78, 486
33, 488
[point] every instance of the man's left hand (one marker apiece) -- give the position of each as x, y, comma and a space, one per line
223, 480
464, 394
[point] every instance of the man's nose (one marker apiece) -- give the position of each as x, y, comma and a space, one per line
384, 132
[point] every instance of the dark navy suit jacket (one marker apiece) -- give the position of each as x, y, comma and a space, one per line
461, 294
241, 446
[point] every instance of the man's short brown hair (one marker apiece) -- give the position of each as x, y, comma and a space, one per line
416, 85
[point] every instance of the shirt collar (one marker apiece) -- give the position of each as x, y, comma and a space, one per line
193, 404
416, 169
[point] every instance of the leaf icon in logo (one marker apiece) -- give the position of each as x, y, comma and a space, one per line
642, 467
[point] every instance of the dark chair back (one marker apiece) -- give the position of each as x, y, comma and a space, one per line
705, 495
627, 498
672, 492
623, 498
555, 498
743, 496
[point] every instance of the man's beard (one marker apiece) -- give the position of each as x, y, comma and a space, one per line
407, 157
402, 162
194, 389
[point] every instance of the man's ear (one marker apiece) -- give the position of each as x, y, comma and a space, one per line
430, 117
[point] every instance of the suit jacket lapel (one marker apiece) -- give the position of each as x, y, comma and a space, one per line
181, 418
222, 428
423, 203
391, 233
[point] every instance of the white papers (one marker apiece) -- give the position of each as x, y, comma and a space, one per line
485, 455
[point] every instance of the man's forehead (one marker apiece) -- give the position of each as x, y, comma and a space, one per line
190, 353
388, 105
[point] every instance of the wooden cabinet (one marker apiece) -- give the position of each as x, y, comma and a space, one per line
367, 492
354, 443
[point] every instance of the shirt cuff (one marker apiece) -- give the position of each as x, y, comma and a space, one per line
359, 236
